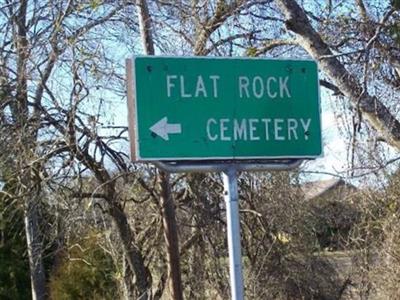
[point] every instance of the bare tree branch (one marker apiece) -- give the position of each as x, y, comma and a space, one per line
374, 110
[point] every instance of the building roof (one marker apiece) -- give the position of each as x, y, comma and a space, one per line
315, 189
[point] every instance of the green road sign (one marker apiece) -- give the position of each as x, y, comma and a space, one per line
218, 108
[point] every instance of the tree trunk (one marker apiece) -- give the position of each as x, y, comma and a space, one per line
34, 238
132, 253
171, 237
34, 243
168, 209
128, 289
145, 27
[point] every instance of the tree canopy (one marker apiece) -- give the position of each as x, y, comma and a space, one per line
65, 165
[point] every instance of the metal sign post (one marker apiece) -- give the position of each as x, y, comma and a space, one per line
229, 175
224, 115
233, 225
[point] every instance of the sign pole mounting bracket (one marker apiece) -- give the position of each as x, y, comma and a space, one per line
216, 166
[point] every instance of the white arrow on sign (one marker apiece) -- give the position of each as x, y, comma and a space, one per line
162, 128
